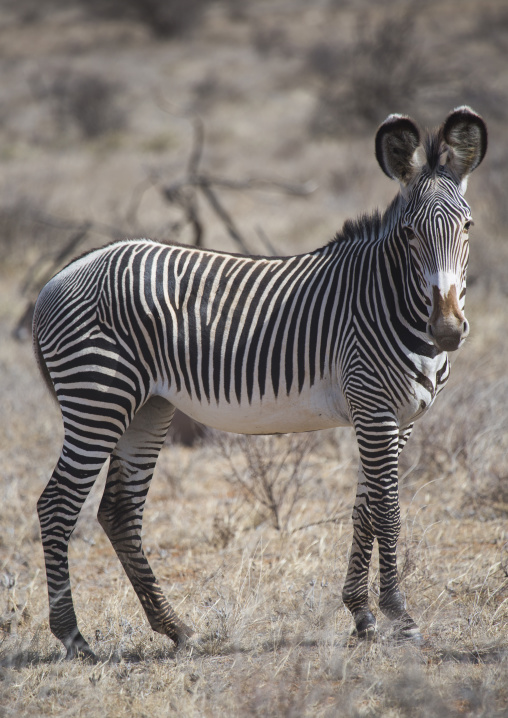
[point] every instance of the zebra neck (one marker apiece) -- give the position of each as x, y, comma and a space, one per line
401, 281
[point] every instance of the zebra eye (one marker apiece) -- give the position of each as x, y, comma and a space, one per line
467, 226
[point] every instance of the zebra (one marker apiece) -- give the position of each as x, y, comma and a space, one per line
355, 333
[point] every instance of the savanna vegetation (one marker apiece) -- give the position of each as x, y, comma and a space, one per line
250, 125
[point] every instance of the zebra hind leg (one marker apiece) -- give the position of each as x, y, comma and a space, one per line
58, 509
121, 510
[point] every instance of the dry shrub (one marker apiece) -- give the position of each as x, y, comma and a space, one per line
164, 18
270, 471
19, 230
82, 100
13, 224
472, 444
271, 41
489, 249
492, 25
211, 90
325, 59
380, 73
30, 11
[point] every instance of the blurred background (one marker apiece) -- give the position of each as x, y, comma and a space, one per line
106, 104
248, 125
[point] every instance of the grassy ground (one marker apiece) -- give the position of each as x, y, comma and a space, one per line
272, 83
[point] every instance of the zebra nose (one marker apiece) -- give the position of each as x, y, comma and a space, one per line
447, 326
447, 335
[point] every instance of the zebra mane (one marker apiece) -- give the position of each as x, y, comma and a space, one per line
369, 227
365, 228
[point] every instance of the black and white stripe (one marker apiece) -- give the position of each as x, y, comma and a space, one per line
347, 334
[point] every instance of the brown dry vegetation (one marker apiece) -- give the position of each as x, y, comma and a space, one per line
93, 99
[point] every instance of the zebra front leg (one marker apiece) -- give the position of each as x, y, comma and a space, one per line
380, 442
58, 509
355, 591
121, 510
392, 601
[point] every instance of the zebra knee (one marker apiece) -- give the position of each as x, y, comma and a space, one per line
109, 518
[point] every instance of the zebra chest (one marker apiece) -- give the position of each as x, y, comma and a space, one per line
429, 377
406, 385
416, 404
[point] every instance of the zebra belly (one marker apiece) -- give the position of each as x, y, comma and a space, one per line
306, 411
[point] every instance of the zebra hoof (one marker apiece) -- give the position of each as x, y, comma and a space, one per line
196, 644
80, 649
406, 630
182, 635
366, 628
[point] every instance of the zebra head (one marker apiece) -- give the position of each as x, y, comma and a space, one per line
435, 217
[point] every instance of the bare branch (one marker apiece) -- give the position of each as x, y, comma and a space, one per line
197, 148
224, 216
183, 193
137, 195
337, 519
31, 282
298, 190
271, 472
267, 242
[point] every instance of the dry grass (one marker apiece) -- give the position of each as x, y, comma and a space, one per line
274, 635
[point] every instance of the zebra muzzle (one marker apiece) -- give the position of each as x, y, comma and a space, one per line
447, 327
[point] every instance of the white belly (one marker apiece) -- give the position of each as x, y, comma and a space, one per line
312, 409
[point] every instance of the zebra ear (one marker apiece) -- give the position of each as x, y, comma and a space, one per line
465, 133
397, 140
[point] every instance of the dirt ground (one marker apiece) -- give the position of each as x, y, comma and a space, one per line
98, 108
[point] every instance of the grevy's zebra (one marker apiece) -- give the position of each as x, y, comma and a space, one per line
356, 332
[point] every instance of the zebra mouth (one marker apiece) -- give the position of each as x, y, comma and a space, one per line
447, 339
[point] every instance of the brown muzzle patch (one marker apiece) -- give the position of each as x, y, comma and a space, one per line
447, 324
447, 307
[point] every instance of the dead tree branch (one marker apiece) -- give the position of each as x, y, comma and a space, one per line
223, 215
184, 194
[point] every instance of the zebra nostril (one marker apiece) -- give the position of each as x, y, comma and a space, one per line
446, 338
